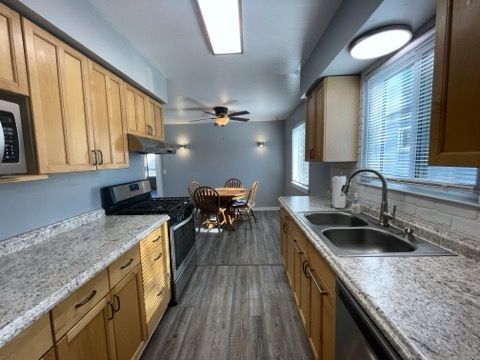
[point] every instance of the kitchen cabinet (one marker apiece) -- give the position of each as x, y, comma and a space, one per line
60, 103
455, 125
136, 103
154, 119
313, 287
284, 219
33, 343
331, 124
155, 259
92, 337
128, 322
109, 120
13, 71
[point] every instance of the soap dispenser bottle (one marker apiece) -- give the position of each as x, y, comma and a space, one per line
355, 207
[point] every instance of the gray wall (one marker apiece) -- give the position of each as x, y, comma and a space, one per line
79, 19
30, 205
319, 173
215, 154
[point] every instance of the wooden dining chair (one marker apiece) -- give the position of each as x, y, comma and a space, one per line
245, 208
233, 183
191, 190
212, 214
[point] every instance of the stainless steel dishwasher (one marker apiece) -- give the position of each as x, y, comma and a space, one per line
356, 336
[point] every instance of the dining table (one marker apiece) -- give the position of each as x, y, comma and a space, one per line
227, 196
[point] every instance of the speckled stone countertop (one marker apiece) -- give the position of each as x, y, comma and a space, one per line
428, 307
36, 278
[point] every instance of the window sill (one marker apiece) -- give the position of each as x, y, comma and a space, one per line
300, 187
465, 198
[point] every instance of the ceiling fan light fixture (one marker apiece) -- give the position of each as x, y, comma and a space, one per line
222, 120
380, 41
222, 20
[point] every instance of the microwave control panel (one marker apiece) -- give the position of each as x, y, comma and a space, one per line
11, 153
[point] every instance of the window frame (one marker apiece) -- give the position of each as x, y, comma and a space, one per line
421, 183
294, 183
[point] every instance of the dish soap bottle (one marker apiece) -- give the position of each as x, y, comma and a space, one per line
355, 207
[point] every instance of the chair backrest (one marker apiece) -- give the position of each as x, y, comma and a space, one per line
233, 183
192, 187
252, 194
207, 199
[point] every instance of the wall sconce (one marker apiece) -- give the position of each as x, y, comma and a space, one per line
260, 144
182, 146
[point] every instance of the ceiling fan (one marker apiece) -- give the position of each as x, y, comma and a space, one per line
222, 117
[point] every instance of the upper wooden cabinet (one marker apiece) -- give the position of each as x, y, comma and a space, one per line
455, 121
136, 103
13, 73
77, 107
60, 103
108, 116
331, 126
154, 119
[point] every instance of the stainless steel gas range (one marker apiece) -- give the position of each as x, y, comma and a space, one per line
134, 198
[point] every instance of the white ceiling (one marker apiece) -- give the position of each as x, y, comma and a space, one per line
278, 36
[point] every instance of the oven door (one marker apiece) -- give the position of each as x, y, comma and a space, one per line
182, 245
12, 152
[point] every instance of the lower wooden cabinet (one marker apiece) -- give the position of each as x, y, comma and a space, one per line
92, 337
284, 219
313, 286
128, 322
33, 343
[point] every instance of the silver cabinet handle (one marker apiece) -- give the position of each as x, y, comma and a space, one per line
315, 282
2, 143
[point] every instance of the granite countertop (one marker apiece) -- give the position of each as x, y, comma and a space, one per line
36, 278
428, 307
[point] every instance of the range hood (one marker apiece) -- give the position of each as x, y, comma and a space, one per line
147, 145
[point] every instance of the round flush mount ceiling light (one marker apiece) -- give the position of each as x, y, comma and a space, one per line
380, 41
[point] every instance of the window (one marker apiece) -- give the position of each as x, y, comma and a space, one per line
397, 102
150, 165
299, 165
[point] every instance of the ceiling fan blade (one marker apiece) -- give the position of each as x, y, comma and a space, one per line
238, 118
210, 113
238, 113
201, 119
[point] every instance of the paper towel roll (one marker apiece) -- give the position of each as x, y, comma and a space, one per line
339, 200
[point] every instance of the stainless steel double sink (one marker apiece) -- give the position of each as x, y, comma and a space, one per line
347, 234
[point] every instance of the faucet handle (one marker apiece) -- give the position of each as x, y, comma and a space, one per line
394, 210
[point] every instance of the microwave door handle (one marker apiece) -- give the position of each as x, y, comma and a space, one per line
2, 143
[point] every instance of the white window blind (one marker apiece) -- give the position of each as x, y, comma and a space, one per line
397, 102
299, 165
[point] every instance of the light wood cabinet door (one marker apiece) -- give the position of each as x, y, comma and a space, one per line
92, 337
128, 322
154, 118
13, 72
284, 228
290, 259
455, 120
60, 103
297, 271
50, 355
136, 109
109, 121
159, 128
332, 113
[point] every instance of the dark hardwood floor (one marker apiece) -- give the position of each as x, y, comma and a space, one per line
237, 305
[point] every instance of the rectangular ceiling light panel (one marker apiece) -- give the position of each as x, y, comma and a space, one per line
222, 20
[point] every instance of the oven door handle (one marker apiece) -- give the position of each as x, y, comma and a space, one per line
183, 222
2, 143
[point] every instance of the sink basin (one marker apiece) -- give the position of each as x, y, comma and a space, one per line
367, 241
334, 219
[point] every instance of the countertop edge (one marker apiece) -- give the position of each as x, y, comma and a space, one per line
15, 327
398, 340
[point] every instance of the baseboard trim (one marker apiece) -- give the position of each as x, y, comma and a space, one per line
266, 208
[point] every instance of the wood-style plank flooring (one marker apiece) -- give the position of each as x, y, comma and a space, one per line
237, 305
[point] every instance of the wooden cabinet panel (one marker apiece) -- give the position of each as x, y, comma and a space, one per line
13, 71
159, 132
130, 108
332, 113
140, 112
60, 104
284, 236
92, 337
50, 355
66, 314
155, 259
137, 111
32, 343
123, 265
455, 124
108, 118
290, 261
154, 119
128, 322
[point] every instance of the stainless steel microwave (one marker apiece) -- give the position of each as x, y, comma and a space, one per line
12, 151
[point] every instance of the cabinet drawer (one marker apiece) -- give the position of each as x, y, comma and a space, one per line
319, 265
72, 309
153, 241
32, 343
123, 265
